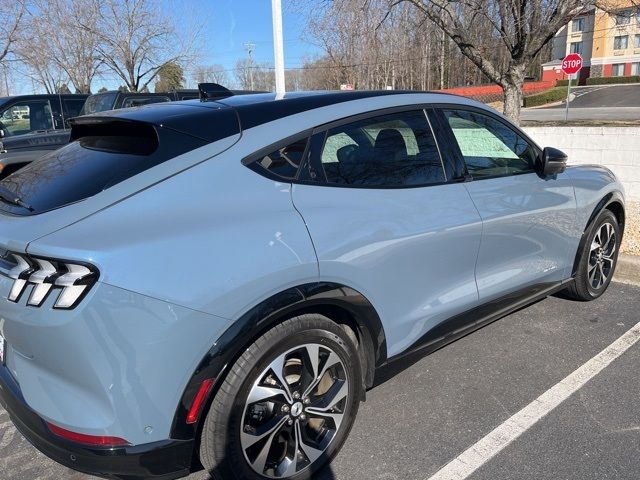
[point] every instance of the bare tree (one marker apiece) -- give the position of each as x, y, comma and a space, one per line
12, 15
522, 28
211, 73
73, 49
137, 40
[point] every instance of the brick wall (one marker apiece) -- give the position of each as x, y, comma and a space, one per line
617, 148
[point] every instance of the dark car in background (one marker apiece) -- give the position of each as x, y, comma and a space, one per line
18, 151
20, 146
25, 114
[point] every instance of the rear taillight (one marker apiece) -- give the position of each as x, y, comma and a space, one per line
96, 440
70, 280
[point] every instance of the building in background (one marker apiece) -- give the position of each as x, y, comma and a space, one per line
608, 41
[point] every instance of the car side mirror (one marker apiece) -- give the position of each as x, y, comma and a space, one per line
553, 161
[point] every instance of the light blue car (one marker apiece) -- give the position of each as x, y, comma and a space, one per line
217, 282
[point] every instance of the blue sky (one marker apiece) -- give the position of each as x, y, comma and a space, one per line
236, 22
227, 26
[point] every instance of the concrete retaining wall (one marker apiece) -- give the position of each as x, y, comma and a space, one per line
615, 147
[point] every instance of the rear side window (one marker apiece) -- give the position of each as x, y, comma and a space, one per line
394, 150
281, 163
489, 147
104, 156
73, 107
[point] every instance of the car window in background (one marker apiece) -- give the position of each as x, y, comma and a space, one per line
100, 102
138, 101
392, 150
27, 116
74, 106
489, 147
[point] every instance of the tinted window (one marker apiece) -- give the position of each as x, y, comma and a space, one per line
26, 116
137, 101
73, 107
99, 102
92, 164
489, 147
392, 150
284, 162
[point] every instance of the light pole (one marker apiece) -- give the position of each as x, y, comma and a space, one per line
278, 49
249, 48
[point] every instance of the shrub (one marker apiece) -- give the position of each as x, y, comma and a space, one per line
564, 83
605, 80
553, 95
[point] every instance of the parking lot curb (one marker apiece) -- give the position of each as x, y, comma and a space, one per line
628, 269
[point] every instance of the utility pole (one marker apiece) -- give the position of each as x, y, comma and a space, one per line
6, 81
249, 48
278, 49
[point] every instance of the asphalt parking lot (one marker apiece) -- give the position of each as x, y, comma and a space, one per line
428, 410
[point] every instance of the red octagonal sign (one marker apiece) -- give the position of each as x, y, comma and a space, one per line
572, 63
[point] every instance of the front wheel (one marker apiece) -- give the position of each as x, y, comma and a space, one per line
598, 259
287, 404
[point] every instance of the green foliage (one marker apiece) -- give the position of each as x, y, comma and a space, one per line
103, 89
564, 83
605, 80
170, 77
553, 95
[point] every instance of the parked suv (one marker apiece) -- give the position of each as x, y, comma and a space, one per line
31, 113
219, 281
16, 152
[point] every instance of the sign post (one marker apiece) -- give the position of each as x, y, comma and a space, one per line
571, 64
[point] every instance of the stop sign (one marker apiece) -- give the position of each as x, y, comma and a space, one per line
572, 63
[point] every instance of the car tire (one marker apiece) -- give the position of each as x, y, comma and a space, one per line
261, 422
598, 259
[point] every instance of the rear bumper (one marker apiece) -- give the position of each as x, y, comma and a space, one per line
161, 460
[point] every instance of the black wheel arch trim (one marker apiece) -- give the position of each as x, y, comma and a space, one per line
610, 198
318, 297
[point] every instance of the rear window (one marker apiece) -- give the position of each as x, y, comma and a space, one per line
99, 102
103, 156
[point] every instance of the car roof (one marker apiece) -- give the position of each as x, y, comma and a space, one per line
257, 109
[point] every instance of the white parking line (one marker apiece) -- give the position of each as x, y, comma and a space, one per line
487, 447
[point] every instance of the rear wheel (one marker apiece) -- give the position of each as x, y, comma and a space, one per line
287, 404
598, 259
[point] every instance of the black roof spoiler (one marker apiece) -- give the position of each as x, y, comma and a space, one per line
210, 91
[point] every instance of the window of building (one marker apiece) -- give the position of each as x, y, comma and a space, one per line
637, 44
489, 147
623, 17
576, 47
395, 150
635, 68
577, 25
617, 70
620, 42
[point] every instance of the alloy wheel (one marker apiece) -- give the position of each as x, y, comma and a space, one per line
602, 256
294, 410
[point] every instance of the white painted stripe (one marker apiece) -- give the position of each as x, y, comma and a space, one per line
487, 447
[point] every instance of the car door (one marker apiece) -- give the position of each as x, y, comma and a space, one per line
385, 220
528, 220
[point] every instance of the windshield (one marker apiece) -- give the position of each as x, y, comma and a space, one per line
100, 102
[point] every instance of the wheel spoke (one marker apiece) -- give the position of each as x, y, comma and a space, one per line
248, 439
319, 412
330, 362
260, 393
261, 460
332, 397
313, 351
312, 453
289, 466
277, 367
